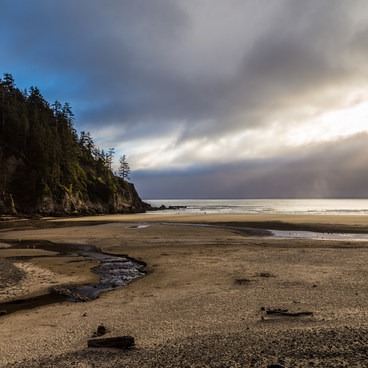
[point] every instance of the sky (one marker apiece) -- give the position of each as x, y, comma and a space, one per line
207, 98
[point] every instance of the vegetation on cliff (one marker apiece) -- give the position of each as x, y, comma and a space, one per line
47, 168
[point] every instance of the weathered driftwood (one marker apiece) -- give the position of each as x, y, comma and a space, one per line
297, 314
242, 281
122, 342
285, 312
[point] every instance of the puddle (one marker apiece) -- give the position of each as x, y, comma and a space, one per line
4, 245
138, 227
316, 235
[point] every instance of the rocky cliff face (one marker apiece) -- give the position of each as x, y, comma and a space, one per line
105, 198
7, 206
123, 201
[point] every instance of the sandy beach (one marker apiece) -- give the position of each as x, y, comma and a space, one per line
213, 296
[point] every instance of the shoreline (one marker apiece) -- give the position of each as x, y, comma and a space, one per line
192, 310
318, 223
312, 222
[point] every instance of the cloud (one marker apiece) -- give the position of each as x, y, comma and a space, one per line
331, 169
182, 85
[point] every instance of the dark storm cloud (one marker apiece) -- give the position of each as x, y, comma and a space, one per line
334, 169
304, 50
118, 58
107, 52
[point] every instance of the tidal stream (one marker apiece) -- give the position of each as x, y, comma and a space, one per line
113, 271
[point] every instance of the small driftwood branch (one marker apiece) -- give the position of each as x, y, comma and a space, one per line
297, 314
285, 312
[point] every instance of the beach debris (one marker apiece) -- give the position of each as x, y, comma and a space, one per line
242, 281
276, 311
266, 274
101, 330
121, 342
285, 312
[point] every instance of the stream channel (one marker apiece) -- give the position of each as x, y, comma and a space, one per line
113, 271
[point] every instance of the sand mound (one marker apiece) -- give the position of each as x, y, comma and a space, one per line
9, 274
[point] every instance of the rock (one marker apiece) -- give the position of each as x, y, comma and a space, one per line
275, 365
177, 207
3, 312
101, 330
242, 281
266, 274
163, 207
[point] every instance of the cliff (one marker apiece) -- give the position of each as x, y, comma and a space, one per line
127, 201
47, 169
123, 200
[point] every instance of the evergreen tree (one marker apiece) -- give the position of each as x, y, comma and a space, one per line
110, 157
124, 169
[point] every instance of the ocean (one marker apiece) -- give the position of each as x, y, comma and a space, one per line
266, 206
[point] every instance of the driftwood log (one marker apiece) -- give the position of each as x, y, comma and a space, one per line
121, 342
285, 312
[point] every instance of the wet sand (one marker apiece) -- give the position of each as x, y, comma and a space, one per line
204, 300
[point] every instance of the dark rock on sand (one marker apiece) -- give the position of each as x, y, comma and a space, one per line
101, 330
266, 274
242, 281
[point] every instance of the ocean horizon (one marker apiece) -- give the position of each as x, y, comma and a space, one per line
264, 206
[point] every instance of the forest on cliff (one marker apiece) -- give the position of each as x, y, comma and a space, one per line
46, 167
